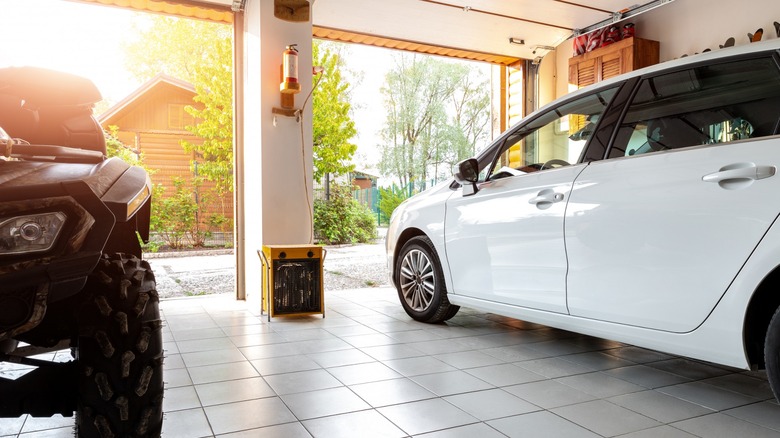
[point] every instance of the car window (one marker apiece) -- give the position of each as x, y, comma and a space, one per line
702, 105
555, 138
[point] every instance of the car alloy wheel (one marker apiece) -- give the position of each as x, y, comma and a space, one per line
420, 283
417, 280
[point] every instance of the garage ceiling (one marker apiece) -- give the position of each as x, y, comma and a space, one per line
471, 29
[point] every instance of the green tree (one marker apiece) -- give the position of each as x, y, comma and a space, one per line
198, 52
213, 81
332, 126
470, 117
173, 46
436, 112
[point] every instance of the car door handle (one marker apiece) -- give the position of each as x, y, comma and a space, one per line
546, 197
740, 172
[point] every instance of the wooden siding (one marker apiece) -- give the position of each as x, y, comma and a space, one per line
154, 123
150, 112
164, 154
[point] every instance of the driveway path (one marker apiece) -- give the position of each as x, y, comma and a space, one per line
203, 273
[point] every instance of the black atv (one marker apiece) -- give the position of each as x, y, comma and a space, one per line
71, 274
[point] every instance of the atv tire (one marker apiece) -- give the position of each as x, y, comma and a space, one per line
120, 352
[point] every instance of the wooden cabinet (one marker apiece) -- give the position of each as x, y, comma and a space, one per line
617, 58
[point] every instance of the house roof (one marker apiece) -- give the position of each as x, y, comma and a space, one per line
158, 80
364, 173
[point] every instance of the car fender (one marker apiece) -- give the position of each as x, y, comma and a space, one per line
420, 214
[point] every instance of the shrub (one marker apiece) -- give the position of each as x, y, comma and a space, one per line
389, 199
173, 218
342, 219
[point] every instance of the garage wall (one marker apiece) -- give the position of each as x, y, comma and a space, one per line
682, 27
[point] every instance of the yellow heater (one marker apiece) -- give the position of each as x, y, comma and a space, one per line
292, 280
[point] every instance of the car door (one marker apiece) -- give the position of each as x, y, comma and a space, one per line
504, 243
656, 233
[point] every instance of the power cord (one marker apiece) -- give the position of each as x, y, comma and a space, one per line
299, 118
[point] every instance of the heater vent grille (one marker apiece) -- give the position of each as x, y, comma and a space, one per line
296, 286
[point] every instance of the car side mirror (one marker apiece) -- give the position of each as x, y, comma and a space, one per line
467, 175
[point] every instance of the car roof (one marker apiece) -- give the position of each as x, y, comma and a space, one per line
728, 52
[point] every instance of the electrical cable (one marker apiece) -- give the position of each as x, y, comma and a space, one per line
299, 116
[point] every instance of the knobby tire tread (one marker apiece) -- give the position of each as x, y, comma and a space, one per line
120, 352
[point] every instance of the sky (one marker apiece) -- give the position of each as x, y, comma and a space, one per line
73, 37
87, 40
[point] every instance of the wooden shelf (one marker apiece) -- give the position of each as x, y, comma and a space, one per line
612, 60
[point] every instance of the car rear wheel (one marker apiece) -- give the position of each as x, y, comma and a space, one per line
772, 353
420, 282
120, 352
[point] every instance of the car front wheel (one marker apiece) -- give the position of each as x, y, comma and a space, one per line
420, 282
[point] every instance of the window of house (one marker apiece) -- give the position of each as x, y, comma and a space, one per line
178, 118
702, 105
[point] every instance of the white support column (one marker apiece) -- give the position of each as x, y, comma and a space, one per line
274, 159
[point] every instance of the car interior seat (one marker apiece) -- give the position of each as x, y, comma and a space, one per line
673, 132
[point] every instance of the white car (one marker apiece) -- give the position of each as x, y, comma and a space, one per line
642, 209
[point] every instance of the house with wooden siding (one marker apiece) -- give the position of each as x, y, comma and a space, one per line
153, 120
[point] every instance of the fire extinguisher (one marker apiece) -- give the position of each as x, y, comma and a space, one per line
290, 84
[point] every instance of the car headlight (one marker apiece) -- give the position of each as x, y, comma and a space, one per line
30, 233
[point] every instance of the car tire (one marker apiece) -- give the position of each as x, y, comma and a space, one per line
120, 352
420, 282
772, 354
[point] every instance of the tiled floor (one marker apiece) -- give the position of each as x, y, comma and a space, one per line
367, 370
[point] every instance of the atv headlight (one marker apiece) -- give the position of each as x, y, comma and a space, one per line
31, 233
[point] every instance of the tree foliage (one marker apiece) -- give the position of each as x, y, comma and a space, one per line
115, 148
213, 81
173, 46
437, 112
332, 126
201, 53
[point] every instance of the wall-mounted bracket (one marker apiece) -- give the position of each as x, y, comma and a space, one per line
286, 112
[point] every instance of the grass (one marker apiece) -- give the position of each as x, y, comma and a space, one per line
195, 294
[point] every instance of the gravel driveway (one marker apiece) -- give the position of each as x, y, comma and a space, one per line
202, 273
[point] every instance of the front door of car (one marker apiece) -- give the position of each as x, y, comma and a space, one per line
655, 235
505, 242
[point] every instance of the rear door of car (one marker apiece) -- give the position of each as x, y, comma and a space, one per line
657, 231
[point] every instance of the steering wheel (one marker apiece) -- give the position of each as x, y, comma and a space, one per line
554, 162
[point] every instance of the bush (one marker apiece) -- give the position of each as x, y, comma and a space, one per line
389, 199
342, 219
173, 218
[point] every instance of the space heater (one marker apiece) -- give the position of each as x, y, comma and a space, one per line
292, 280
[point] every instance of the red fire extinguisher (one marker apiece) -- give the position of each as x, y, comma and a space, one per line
290, 84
